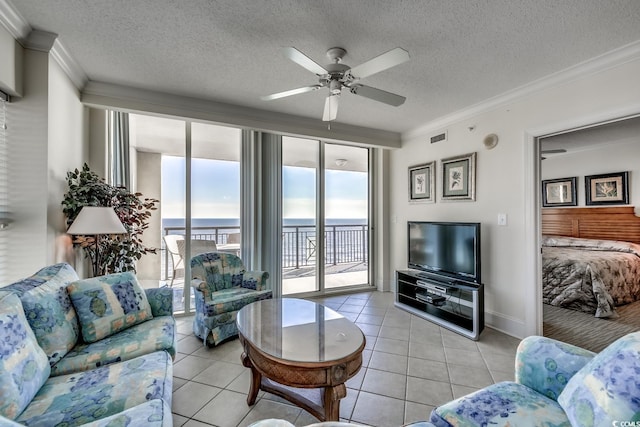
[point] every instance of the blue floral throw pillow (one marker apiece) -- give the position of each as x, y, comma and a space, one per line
607, 389
23, 364
108, 304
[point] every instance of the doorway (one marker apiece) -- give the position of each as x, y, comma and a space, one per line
604, 148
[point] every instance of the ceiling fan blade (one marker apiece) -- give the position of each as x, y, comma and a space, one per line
378, 95
290, 92
380, 63
304, 61
330, 108
554, 151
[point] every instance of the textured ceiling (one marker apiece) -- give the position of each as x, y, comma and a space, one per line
462, 52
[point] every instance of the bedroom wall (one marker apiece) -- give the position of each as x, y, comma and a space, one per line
507, 180
618, 156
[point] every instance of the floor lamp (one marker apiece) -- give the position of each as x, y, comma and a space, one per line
96, 221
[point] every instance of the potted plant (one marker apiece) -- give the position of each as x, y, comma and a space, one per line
120, 252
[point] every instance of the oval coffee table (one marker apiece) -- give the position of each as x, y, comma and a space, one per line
301, 351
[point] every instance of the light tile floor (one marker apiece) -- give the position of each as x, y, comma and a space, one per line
409, 366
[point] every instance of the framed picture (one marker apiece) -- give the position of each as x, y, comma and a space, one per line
559, 192
422, 183
607, 189
459, 177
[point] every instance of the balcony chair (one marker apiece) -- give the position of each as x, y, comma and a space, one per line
222, 287
233, 238
177, 262
197, 247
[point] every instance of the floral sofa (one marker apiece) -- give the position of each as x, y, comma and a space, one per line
85, 352
222, 287
557, 384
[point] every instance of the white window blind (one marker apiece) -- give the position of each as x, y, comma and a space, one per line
4, 185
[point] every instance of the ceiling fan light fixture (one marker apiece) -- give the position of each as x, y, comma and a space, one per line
335, 87
336, 76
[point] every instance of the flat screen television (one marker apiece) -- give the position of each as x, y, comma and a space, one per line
449, 249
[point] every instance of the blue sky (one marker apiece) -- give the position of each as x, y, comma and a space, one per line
216, 190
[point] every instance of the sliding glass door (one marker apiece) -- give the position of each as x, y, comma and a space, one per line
325, 210
300, 166
197, 169
346, 216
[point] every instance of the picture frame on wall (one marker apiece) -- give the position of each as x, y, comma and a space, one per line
459, 177
559, 192
607, 189
422, 183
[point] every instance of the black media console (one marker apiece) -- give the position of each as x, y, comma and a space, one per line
452, 304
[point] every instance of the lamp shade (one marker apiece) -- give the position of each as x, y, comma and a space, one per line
97, 220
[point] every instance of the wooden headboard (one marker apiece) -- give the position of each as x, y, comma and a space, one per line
619, 223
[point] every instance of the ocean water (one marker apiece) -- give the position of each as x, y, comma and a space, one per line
235, 222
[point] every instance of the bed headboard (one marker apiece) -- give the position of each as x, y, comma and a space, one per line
609, 223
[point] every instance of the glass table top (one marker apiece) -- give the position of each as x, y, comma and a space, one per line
298, 330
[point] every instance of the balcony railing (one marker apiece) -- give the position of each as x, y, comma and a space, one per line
343, 243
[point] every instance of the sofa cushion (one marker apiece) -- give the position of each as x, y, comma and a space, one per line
155, 334
606, 389
23, 363
233, 299
154, 413
49, 310
546, 365
108, 304
80, 398
503, 404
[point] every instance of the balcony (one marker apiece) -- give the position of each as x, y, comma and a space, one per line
346, 250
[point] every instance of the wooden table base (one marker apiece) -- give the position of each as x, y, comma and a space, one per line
321, 402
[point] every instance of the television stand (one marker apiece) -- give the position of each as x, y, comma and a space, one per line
452, 305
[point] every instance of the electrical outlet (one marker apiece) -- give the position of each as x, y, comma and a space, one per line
502, 219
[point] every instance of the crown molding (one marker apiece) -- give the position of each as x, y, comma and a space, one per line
14, 23
40, 40
608, 60
69, 65
101, 95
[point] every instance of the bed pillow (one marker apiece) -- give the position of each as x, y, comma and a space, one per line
606, 389
23, 363
108, 304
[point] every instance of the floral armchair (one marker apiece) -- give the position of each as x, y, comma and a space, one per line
222, 287
557, 384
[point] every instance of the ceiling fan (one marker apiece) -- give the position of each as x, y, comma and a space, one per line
337, 76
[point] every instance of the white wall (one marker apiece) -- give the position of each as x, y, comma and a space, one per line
67, 150
507, 182
27, 139
617, 157
11, 64
46, 136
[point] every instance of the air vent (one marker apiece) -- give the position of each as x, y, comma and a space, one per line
440, 137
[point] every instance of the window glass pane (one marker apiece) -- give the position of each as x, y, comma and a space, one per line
299, 210
346, 212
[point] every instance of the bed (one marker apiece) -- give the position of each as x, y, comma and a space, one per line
590, 258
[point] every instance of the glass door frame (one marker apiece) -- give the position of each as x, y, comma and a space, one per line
320, 288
